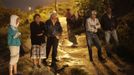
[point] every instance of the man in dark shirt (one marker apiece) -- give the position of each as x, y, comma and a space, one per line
71, 23
54, 30
109, 25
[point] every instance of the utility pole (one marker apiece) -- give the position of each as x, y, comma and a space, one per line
1, 5
55, 5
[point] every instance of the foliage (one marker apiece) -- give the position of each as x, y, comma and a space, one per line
123, 10
86, 6
122, 7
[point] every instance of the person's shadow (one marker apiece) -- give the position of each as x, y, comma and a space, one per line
98, 71
108, 69
118, 63
55, 69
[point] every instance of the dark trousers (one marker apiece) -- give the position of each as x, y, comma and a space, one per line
71, 35
52, 42
72, 38
92, 38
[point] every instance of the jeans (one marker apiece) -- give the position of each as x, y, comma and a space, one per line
108, 35
93, 39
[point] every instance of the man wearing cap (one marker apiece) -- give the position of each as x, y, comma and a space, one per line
92, 26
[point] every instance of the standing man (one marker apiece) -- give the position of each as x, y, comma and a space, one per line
71, 22
108, 23
92, 26
54, 30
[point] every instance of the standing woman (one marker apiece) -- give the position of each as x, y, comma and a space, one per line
13, 43
38, 41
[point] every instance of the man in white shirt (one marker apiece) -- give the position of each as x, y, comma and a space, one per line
92, 26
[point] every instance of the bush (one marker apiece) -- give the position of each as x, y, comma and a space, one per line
77, 71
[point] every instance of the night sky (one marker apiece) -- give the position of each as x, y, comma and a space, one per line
24, 4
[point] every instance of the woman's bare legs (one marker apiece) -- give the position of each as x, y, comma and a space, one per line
35, 62
15, 69
11, 70
39, 63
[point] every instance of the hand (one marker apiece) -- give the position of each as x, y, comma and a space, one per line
112, 28
100, 30
58, 36
97, 24
40, 34
17, 35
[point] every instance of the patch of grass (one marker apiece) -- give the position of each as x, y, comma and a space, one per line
78, 71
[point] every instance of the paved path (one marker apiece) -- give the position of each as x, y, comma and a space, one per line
78, 57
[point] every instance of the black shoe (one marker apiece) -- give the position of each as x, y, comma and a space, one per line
54, 71
53, 64
109, 56
91, 59
55, 60
35, 67
39, 66
44, 60
62, 69
44, 63
102, 59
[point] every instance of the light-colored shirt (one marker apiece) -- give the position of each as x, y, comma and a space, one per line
92, 25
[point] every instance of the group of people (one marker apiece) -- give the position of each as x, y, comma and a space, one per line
40, 47
108, 25
93, 25
52, 30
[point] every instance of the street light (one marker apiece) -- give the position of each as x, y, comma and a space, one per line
29, 8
